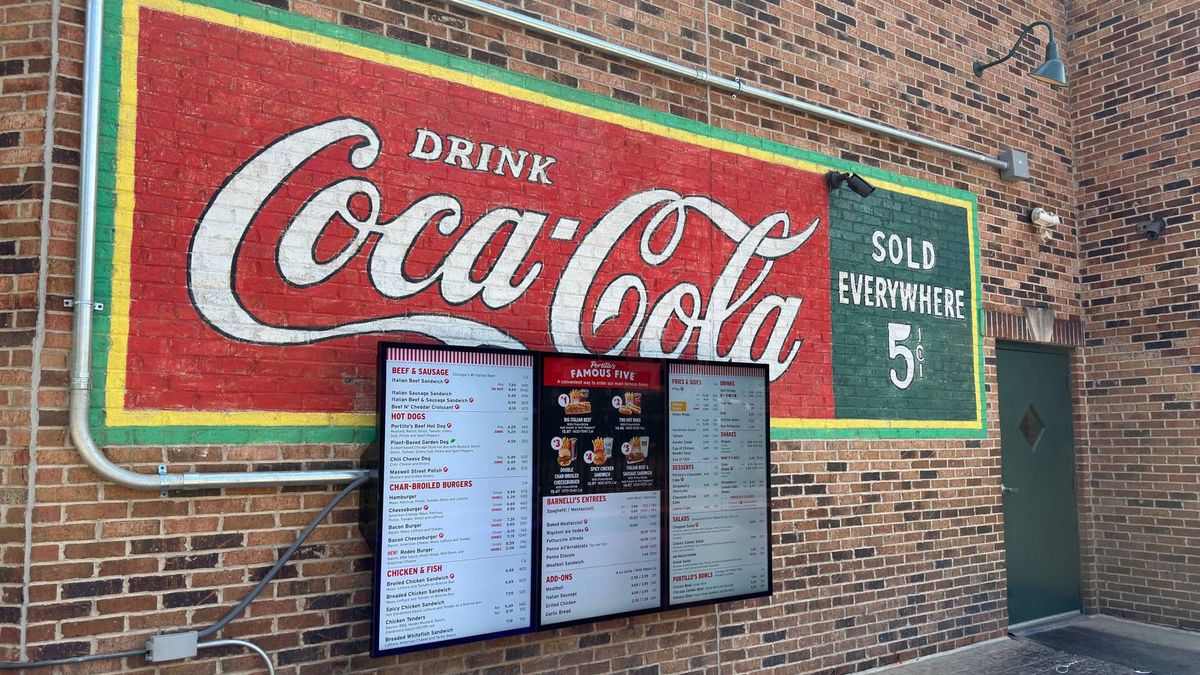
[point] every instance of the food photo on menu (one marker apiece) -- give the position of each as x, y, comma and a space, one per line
630, 403
598, 435
635, 449
600, 455
577, 403
566, 452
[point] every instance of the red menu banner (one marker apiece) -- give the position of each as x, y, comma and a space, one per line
569, 372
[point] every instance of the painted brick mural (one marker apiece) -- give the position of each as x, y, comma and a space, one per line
281, 192
885, 549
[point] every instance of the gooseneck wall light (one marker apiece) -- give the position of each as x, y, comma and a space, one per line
1052, 71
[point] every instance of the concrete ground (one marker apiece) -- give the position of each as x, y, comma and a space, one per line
1095, 645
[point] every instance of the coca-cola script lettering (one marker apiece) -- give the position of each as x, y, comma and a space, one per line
702, 312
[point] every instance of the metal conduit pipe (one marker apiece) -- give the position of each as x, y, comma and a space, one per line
85, 251
718, 82
241, 643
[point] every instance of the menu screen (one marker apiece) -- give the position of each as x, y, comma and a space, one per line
455, 550
520, 491
719, 524
601, 454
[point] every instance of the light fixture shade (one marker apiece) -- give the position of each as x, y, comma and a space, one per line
1052, 72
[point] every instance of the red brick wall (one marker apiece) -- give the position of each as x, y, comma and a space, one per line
1136, 99
885, 550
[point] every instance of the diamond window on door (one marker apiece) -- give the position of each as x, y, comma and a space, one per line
1031, 426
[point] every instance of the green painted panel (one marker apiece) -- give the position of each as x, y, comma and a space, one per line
900, 276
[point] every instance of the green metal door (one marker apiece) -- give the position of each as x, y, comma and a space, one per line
1041, 530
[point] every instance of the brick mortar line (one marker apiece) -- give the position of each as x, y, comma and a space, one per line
39, 334
1088, 530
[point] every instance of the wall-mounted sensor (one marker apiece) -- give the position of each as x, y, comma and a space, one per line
1152, 229
835, 179
1044, 221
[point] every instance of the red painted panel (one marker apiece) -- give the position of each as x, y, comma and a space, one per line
257, 325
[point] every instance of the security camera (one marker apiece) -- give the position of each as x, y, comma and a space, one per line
1152, 229
835, 179
860, 186
1044, 221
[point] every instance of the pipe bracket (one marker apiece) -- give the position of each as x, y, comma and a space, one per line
71, 303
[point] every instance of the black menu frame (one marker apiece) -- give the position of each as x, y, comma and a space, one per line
535, 504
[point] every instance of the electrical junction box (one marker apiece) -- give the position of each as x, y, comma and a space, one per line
1018, 165
172, 646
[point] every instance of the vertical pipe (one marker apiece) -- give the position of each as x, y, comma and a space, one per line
85, 239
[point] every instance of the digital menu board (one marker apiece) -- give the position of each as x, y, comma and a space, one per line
521, 491
718, 490
600, 484
455, 545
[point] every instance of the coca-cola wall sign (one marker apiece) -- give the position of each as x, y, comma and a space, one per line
278, 194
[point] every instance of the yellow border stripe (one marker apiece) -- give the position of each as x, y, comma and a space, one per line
246, 418
118, 415
114, 387
793, 423
975, 300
